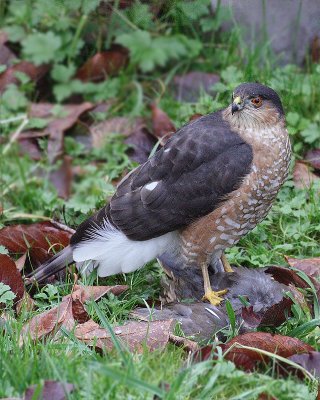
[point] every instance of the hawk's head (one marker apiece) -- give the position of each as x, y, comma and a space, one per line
256, 101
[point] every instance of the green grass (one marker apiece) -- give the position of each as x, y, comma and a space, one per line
291, 228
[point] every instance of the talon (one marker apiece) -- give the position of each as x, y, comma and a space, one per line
214, 297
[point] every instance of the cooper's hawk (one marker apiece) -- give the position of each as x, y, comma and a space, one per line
210, 184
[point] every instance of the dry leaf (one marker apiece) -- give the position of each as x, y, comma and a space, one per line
9, 275
195, 116
118, 125
62, 177
134, 335
51, 390
284, 346
104, 64
33, 72
309, 361
30, 146
302, 176
310, 266
313, 158
36, 239
70, 309
162, 127
21, 261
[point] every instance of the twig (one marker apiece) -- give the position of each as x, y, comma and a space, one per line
15, 135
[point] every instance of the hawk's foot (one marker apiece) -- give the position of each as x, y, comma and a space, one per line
214, 297
226, 264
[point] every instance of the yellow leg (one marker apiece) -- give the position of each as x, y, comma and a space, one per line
225, 263
209, 294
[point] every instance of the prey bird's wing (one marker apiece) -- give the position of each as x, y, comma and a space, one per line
188, 178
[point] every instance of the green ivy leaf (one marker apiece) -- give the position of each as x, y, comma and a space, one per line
63, 73
6, 295
148, 52
3, 250
41, 47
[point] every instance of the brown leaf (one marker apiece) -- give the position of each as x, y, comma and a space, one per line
70, 309
21, 261
104, 64
142, 143
118, 125
313, 158
162, 127
315, 49
58, 125
51, 390
32, 71
277, 314
302, 176
81, 294
286, 276
310, 266
195, 116
6, 55
47, 322
134, 335
309, 361
9, 275
36, 238
30, 146
61, 178
284, 346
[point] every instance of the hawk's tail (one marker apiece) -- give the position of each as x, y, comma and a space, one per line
52, 266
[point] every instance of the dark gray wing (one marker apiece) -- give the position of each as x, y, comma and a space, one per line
191, 175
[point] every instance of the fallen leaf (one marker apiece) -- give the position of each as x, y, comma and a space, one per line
141, 143
36, 239
310, 266
6, 55
50, 390
9, 275
134, 335
119, 125
302, 176
20, 262
309, 361
286, 276
70, 310
313, 158
188, 87
315, 49
32, 71
61, 178
31, 147
195, 116
162, 127
104, 64
284, 346
58, 125
3, 37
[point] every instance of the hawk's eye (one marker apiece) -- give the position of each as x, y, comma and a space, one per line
257, 101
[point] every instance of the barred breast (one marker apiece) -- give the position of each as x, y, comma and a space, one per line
205, 239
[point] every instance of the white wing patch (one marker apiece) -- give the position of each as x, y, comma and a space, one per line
152, 185
113, 253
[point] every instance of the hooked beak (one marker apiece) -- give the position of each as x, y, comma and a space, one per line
236, 105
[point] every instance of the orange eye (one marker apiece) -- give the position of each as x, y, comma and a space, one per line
257, 101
